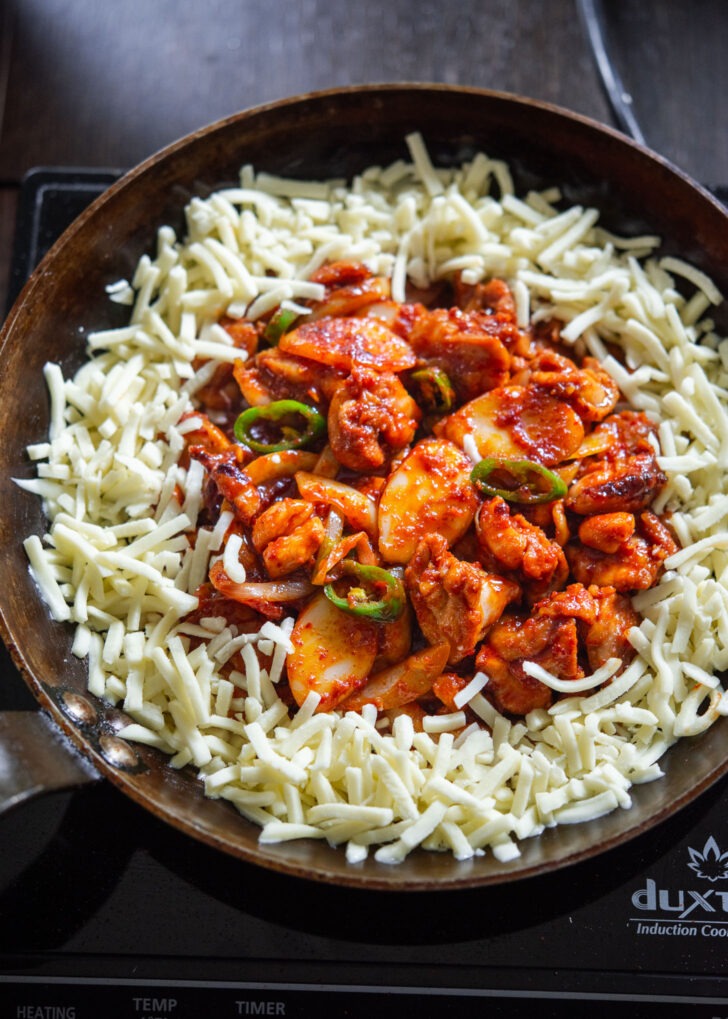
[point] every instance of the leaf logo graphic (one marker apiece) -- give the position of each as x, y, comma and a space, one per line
711, 864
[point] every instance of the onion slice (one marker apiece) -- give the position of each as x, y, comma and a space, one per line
250, 592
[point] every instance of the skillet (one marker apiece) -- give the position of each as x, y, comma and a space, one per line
333, 133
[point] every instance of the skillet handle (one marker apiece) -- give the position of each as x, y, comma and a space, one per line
34, 760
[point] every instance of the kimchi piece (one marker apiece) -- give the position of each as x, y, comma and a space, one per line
430, 491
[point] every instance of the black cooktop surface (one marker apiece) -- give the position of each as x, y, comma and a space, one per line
106, 912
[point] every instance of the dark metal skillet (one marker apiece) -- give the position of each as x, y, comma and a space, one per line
320, 135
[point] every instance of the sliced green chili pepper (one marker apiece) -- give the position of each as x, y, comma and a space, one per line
291, 437
376, 594
436, 388
279, 324
526, 473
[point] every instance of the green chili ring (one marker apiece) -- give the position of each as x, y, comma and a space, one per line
279, 324
293, 439
436, 389
358, 601
526, 492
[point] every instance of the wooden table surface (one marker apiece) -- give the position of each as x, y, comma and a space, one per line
88, 83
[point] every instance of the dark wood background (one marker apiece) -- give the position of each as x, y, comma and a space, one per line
90, 83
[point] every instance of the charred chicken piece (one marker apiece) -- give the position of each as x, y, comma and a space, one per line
454, 601
507, 541
634, 565
371, 418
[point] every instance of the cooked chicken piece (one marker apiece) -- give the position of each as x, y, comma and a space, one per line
341, 273
273, 375
574, 602
471, 348
607, 637
288, 535
590, 390
546, 333
507, 540
625, 484
494, 297
549, 637
371, 417
229, 477
511, 689
454, 601
657, 533
551, 517
350, 288
607, 531
619, 470
447, 686
634, 566
210, 438
628, 431
244, 334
